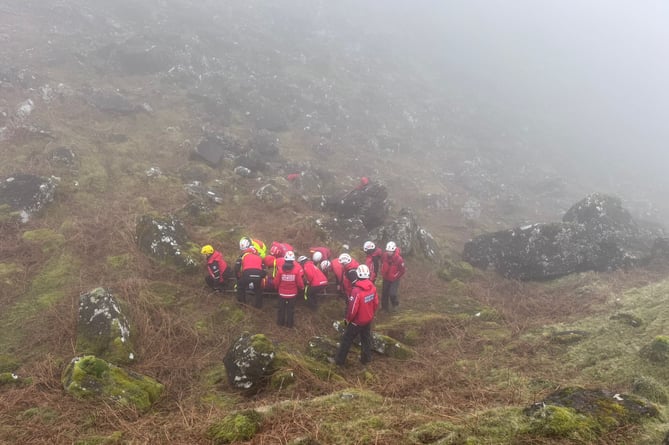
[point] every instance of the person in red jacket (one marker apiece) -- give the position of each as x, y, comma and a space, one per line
249, 271
319, 254
218, 271
372, 259
278, 250
392, 269
349, 275
289, 283
315, 281
362, 305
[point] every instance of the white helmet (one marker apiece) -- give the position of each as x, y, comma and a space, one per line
368, 246
363, 272
391, 246
289, 256
345, 258
325, 265
301, 259
317, 257
244, 243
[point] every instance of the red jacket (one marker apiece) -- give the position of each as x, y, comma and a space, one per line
313, 275
327, 254
337, 270
279, 249
251, 260
373, 261
216, 266
289, 280
392, 266
362, 303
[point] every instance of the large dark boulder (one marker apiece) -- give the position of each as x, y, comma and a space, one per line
597, 233
533, 252
102, 328
369, 203
409, 236
165, 240
25, 195
214, 149
249, 362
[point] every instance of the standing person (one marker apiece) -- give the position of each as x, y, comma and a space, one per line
315, 281
289, 282
218, 271
249, 271
372, 259
362, 305
392, 269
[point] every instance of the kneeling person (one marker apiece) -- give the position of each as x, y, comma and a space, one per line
218, 271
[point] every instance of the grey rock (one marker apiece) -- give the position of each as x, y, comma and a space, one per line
27, 194
249, 362
165, 240
369, 204
102, 328
213, 149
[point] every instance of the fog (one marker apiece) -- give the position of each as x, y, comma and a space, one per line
578, 86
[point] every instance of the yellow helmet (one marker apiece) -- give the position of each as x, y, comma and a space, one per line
207, 250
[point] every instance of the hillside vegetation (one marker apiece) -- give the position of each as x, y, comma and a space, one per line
484, 349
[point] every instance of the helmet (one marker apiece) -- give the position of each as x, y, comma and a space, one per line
391, 246
301, 259
325, 265
345, 258
274, 250
244, 243
368, 246
363, 272
207, 250
289, 256
317, 257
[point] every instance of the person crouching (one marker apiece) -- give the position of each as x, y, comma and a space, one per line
289, 282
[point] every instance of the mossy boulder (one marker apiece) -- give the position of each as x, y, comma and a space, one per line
582, 414
249, 362
651, 389
321, 349
11, 379
164, 239
26, 195
102, 328
91, 377
235, 427
657, 351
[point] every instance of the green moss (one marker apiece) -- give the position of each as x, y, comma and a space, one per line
658, 350
261, 344
457, 270
89, 376
8, 378
48, 240
559, 421
119, 262
8, 363
40, 414
650, 388
235, 427
213, 384
431, 432
115, 438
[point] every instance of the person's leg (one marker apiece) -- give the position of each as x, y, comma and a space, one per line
366, 343
210, 281
242, 284
393, 292
281, 317
385, 295
313, 294
290, 312
257, 288
346, 342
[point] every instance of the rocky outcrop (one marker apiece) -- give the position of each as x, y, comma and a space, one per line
249, 362
24, 195
165, 240
102, 329
369, 203
597, 233
409, 236
90, 377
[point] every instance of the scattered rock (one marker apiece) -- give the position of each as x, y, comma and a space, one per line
321, 349
236, 427
249, 361
102, 329
213, 149
165, 240
91, 377
368, 203
27, 195
64, 156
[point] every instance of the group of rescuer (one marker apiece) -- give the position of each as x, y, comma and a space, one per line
280, 270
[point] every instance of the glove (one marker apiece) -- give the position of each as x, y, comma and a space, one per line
344, 322
306, 288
